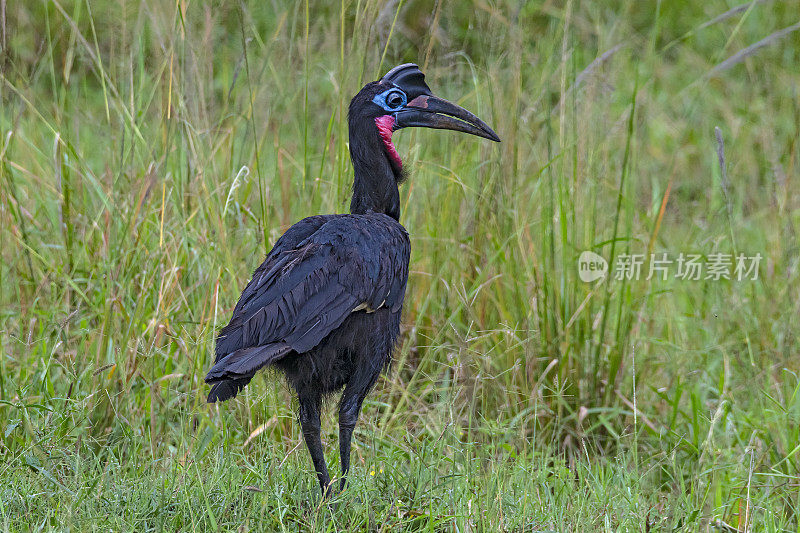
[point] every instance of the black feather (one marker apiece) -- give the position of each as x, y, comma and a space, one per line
316, 275
225, 390
246, 362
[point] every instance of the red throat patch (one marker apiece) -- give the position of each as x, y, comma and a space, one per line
385, 123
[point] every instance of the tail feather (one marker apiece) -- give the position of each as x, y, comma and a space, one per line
227, 389
234, 371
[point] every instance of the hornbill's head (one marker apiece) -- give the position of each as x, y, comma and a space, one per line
402, 99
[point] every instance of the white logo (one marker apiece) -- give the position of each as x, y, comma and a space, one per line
591, 267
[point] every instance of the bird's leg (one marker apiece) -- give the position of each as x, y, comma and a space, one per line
349, 410
309, 420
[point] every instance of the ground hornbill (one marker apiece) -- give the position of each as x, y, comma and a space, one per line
324, 307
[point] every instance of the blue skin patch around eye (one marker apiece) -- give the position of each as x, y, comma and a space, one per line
380, 100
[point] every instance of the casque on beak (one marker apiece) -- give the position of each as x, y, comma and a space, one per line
428, 111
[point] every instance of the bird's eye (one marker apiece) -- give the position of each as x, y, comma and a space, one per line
394, 100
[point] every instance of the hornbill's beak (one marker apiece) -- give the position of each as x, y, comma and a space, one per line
429, 111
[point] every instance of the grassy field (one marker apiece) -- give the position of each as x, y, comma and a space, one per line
152, 151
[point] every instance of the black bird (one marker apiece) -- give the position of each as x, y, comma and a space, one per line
324, 307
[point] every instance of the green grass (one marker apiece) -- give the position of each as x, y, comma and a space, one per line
151, 152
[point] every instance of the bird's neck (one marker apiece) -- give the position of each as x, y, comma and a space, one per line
376, 176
